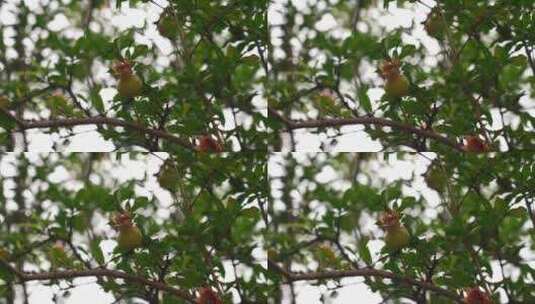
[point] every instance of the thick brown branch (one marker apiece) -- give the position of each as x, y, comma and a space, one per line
338, 122
364, 272
101, 272
71, 122
272, 112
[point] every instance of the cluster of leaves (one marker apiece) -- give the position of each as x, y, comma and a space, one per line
210, 78
482, 227
481, 80
208, 229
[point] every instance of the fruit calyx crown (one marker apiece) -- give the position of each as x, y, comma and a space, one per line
122, 220
123, 68
389, 220
58, 245
389, 69
475, 144
167, 165
208, 296
209, 144
327, 93
475, 296
168, 11
434, 13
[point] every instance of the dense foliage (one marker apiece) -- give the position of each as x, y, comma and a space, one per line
203, 76
471, 227
469, 65
58, 211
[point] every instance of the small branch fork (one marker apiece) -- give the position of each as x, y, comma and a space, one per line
367, 120
100, 272
363, 272
98, 120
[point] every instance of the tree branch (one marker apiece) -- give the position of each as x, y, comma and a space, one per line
363, 272
99, 120
338, 122
102, 272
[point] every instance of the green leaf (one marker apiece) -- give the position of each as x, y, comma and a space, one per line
96, 99
364, 99
96, 251
363, 250
6, 122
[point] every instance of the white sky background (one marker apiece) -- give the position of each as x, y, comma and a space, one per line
123, 170
393, 169
86, 138
354, 138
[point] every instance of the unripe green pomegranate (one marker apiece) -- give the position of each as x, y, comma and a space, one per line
435, 26
168, 177
129, 234
436, 179
4, 102
168, 25
129, 85
58, 257
325, 256
59, 106
272, 254
396, 236
397, 86
4, 255
325, 103
129, 238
